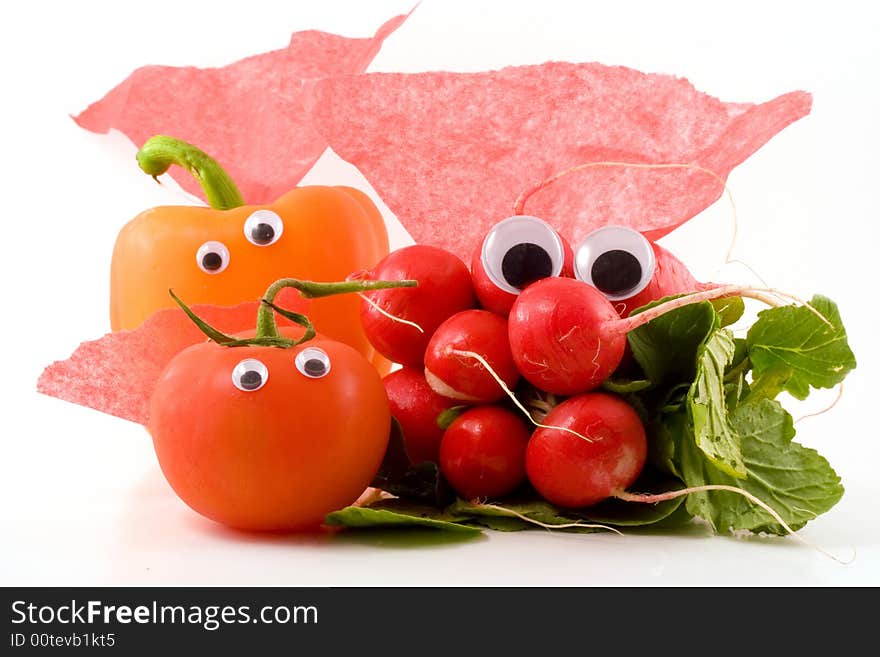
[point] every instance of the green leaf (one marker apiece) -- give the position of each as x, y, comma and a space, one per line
507, 515
729, 309
637, 514
673, 399
448, 416
625, 386
676, 519
517, 511
400, 477
665, 433
791, 348
666, 347
740, 363
395, 514
487, 517
736, 388
793, 480
707, 406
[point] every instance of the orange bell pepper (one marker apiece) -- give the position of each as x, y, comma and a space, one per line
230, 253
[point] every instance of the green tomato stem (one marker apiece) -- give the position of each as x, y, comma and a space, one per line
158, 154
230, 341
266, 324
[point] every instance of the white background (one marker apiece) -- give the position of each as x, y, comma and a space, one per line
83, 500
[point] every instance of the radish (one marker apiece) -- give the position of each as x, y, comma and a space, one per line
400, 325
630, 270
513, 265
566, 336
671, 277
490, 296
575, 472
483, 452
633, 270
416, 406
452, 371
571, 472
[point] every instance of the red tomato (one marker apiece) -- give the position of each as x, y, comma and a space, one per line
265, 438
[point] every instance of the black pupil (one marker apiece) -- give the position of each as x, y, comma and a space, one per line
616, 272
525, 263
262, 233
251, 380
212, 261
315, 367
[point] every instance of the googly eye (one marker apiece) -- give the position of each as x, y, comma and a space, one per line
313, 362
250, 375
618, 261
263, 228
521, 250
212, 257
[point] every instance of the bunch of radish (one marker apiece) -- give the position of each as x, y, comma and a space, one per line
530, 311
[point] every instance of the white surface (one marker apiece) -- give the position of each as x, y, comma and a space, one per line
83, 501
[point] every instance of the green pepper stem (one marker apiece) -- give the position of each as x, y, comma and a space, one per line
158, 154
266, 324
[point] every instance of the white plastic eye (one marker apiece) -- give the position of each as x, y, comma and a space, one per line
313, 362
212, 257
521, 250
263, 228
618, 261
250, 375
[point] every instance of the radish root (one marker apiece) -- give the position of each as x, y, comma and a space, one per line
362, 275
389, 315
520, 203
662, 497
827, 408
539, 406
770, 296
567, 525
482, 361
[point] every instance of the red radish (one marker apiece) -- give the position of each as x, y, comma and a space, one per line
483, 452
450, 368
444, 289
490, 296
564, 337
630, 270
640, 271
496, 299
572, 472
416, 406
671, 277
567, 338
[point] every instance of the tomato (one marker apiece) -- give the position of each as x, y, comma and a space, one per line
265, 438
